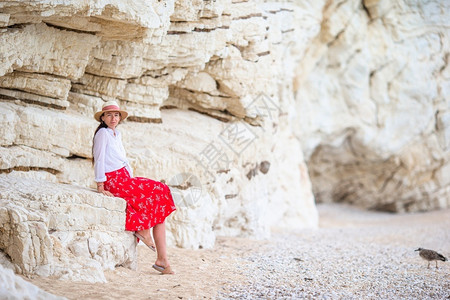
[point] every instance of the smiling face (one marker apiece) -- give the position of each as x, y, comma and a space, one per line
111, 119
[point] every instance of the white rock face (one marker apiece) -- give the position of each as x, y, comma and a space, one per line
374, 110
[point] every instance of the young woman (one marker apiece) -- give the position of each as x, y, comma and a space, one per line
149, 202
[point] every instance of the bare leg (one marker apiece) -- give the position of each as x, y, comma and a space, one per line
159, 234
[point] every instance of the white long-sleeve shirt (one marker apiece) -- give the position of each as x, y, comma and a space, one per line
109, 154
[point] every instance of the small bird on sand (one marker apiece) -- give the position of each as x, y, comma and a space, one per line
430, 255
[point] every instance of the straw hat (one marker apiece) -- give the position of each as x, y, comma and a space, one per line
110, 106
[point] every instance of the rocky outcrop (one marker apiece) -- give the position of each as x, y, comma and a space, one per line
208, 86
225, 98
375, 113
61, 230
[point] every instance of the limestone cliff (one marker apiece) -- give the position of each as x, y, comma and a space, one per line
209, 88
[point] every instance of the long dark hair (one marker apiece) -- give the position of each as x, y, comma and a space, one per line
101, 125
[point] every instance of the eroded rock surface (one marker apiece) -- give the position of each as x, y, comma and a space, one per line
61, 230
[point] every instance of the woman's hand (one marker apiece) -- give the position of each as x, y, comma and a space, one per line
101, 190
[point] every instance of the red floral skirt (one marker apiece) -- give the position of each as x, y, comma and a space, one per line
149, 202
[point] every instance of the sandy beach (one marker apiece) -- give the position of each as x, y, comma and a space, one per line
354, 254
